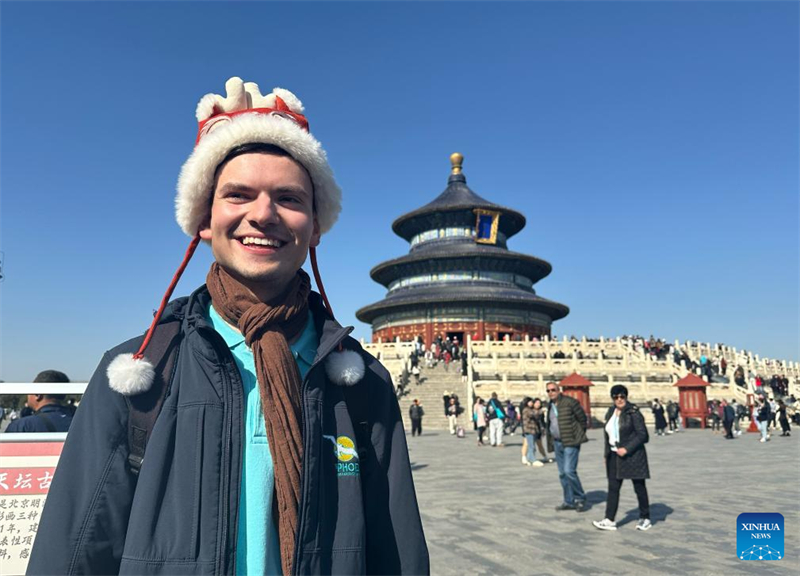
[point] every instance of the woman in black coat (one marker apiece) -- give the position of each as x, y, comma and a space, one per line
626, 458
786, 429
658, 413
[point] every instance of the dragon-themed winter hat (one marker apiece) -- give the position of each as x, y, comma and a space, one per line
243, 116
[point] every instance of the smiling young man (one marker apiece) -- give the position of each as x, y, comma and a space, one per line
274, 443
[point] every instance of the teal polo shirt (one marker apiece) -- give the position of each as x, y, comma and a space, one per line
257, 550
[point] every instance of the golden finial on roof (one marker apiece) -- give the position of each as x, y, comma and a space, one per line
456, 160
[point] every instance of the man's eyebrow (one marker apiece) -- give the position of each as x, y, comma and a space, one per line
235, 187
293, 190
240, 187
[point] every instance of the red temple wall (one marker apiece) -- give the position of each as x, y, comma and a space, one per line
479, 330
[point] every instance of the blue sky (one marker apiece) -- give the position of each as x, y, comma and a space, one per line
653, 147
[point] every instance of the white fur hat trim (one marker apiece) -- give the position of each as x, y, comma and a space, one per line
129, 376
197, 175
345, 368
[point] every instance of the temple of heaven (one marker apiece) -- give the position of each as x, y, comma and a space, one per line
459, 277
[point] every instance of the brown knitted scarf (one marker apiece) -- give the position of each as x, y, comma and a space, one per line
267, 327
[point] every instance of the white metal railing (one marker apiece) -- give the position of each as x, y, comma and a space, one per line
20, 388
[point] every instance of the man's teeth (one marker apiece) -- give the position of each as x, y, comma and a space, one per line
262, 242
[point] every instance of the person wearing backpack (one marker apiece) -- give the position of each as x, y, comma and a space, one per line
246, 432
496, 417
672, 415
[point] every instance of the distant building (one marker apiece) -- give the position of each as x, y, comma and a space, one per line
459, 277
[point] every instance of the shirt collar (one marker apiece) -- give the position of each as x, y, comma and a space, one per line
305, 347
232, 337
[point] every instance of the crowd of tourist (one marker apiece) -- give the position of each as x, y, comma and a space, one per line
726, 417
445, 351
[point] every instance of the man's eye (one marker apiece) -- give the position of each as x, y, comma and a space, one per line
291, 199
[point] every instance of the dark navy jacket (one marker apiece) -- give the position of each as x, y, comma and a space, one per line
182, 516
58, 415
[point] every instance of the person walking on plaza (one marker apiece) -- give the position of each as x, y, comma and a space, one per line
452, 416
672, 413
512, 419
728, 417
658, 413
660, 420
50, 414
786, 429
539, 413
479, 417
566, 426
773, 413
625, 458
415, 413
763, 417
274, 442
531, 428
738, 411
714, 416
496, 416
524, 446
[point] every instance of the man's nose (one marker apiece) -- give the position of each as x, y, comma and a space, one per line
263, 210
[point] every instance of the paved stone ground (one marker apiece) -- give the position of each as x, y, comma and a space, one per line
486, 513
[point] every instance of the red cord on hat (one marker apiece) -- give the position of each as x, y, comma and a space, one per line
312, 252
165, 300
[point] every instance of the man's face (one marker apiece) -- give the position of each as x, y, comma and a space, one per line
552, 391
262, 221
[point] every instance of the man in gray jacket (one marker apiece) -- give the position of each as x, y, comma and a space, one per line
274, 443
566, 431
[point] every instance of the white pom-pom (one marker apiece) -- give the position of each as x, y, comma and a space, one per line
129, 376
345, 368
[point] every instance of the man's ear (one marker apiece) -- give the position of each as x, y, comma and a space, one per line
205, 229
315, 235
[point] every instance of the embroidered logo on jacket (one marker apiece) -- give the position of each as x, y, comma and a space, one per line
345, 451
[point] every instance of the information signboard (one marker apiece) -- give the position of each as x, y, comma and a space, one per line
26, 470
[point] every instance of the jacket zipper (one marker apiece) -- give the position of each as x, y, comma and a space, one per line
222, 533
306, 444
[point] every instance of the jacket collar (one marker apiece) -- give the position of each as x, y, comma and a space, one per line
627, 409
192, 310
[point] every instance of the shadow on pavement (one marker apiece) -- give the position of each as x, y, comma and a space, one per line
594, 497
415, 466
658, 513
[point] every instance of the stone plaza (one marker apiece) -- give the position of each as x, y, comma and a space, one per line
485, 513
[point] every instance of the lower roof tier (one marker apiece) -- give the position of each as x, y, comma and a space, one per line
427, 297
461, 256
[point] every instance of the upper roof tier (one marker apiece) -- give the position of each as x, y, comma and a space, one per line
457, 197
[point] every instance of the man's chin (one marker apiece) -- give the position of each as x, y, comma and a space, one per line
255, 278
